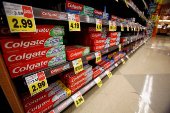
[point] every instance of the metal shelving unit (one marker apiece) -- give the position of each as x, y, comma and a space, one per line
83, 90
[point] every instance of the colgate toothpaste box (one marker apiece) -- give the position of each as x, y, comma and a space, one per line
74, 7
17, 58
98, 14
41, 94
120, 19
78, 87
97, 71
90, 30
43, 31
114, 18
112, 44
93, 35
76, 52
51, 96
96, 41
106, 65
87, 11
113, 34
18, 70
15, 45
57, 98
97, 47
5, 31
9, 37
123, 39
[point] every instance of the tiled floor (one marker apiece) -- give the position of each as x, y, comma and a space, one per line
141, 85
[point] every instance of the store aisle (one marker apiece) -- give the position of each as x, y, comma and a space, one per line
141, 85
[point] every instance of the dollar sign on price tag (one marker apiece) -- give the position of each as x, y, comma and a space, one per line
74, 22
78, 65
127, 27
36, 82
98, 25
109, 74
123, 61
122, 28
127, 57
78, 99
110, 25
114, 26
20, 17
98, 56
119, 47
98, 81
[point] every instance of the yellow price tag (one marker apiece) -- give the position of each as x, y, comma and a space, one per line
123, 61
79, 101
127, 57
131, 28
119, 47
153, 17
74, 26
126, 3
20, 17
78, 65
98, 81
117, 0
122, 28
110, 28
98, 56
36, 82
98, 25
127, 28
109, 74
114, 28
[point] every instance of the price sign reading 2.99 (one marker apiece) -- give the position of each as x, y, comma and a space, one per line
20, 17
74, 22
36, 82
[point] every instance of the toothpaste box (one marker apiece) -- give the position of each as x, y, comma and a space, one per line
113, 34
96, 41
112, 44
123, 39
77, 87
87, 11
57, 98
74, 7
114, 18
16, 45
97, 47
17, 58
43, 31
90, 30
52, 97
5, 31
120, 19
42, 94
93, 35
106, 65
97, 71
76, 51
98, 14
22, 69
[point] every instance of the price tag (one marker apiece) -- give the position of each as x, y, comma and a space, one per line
78, 99
131, 28
74, 22
98, 81
98, 56
78, 65
122, 28
20, 17
109, 74
138, 29
117, 0
126, 3
119, 47
98, 25
123, 61
127, 27
116, 65
114, 26
145, 42
36, 82
110, 25
127, 57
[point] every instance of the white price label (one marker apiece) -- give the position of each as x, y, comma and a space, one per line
116, 65
71, 17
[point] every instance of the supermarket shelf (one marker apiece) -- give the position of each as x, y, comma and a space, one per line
53, 70
83, 90
63, 16
137, 12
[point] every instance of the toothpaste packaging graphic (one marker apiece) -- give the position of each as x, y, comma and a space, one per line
96, 41
123, 39
105, 16
90, 30
114, 18
87, 11
97, 47
16, 45
74, 7
43, 31
98, 14
17, 58
113, 34
25, 68
97, 71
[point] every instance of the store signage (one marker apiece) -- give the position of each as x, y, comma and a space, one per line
78, 99
98, 81
74, 22
20, 17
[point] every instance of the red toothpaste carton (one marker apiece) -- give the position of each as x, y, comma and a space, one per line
96, 41
18, 58
89, 30
112, 44
97, 47
123, 39
106, 65
16, 45
97, 71
114, 18
113, 34
22, 69
9, 37
5, 31
93, 35
43, 31
74, 6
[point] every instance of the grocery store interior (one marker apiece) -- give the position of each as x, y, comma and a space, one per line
85, 56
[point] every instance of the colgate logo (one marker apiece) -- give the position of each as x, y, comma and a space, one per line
42, 30
96, 35
56, 70
74, 79
99, 41
114, 17
97, 12
92, 29
25, 56
74, 6
29, 67
76, 54
22, 44
99, 47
